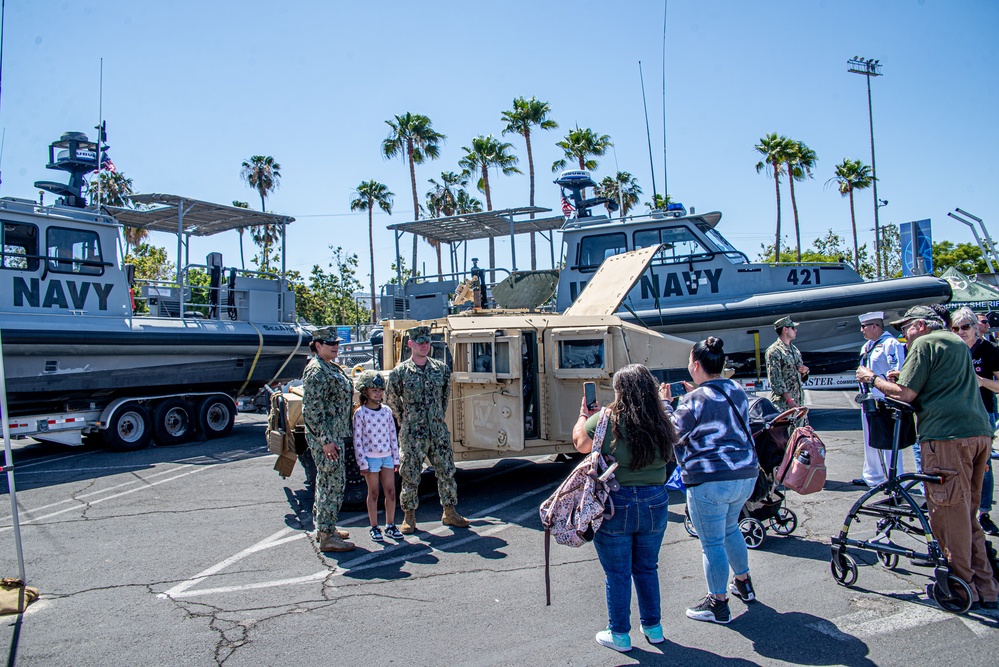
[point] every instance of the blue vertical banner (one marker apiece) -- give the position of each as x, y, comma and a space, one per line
917, 248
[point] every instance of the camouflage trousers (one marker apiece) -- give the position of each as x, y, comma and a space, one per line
330, 479
441, 457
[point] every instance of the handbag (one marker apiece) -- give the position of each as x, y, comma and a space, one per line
881, 428
579, 506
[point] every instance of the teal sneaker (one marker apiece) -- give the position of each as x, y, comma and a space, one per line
619, 641
654, 634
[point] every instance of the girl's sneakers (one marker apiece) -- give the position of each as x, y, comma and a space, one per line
393, 532
376, 534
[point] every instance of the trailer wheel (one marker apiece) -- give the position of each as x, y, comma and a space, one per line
216, 416
129, 428
173, 421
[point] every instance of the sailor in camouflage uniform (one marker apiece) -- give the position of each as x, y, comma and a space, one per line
326, 404
418, 391
785, 370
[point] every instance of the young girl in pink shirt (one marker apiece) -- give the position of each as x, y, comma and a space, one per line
376, 447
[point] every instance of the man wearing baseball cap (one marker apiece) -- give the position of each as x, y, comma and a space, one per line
785, 370
881, 353
955, 439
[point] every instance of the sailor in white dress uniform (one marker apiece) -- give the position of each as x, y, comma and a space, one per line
881, 353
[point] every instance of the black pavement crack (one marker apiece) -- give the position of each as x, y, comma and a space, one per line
86, 504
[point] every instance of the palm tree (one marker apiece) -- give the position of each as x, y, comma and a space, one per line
115, 189
622, 188
485, 152
579, 145
524, 115
414, 138
367, 194
442, 202
800, 162
659, 202
774, 149
263, 174
852, 175
242, 259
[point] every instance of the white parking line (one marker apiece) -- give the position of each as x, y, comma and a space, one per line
874, 622
358, 564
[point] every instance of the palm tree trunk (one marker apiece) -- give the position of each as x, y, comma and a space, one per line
530, 169
242, 260
492, 241
416, 203
776, 167
856, 248
371, 252
794, 210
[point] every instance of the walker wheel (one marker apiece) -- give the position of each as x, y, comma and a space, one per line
785, 522
689, 525
960, 599
844, 569
753, 532
888, 561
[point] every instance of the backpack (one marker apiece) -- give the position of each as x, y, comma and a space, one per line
804, 466
579, 506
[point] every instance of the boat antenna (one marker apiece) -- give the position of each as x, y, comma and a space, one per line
3, 6
665, 175
648, 133
101, 132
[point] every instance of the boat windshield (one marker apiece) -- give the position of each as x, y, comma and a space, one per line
727, 248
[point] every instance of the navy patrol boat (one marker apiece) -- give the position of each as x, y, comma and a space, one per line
699, 285
80, 358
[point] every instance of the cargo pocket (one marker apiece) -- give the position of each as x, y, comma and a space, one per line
947, 494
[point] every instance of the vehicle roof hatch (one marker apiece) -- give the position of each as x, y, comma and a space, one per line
612, 282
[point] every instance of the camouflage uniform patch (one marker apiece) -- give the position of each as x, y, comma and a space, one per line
326, 405
782, 372
419, 397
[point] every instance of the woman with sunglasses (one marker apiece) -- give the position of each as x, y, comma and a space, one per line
326, 407
985, 356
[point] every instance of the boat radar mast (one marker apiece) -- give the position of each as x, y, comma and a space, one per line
575, 181
74, 153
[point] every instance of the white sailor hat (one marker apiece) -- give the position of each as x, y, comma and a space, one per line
876, 315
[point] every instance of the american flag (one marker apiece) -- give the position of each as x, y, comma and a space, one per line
107, 164
567, 208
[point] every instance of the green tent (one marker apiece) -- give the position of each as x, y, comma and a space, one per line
980, 297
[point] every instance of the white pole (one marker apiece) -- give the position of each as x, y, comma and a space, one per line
9, 467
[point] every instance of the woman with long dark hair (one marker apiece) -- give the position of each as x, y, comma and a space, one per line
641, 440
718, 465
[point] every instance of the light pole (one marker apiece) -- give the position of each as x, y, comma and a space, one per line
869, 68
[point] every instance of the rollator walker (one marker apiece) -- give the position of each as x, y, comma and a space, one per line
898, 527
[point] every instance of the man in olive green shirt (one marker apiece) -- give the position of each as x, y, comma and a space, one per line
955, 439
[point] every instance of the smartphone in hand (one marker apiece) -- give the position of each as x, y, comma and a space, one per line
677, 389
590, 392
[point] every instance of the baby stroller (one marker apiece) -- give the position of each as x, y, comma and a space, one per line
771, 432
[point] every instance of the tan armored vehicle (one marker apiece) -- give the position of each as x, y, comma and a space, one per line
517, 376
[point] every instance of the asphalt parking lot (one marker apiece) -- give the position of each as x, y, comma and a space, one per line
200, 555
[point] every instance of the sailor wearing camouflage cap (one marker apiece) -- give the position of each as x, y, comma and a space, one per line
785, 369
326, 335
418, 392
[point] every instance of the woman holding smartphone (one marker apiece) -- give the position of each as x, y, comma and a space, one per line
718, 465
640, 438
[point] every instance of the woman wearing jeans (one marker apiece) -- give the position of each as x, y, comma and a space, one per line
641, 440
719, 468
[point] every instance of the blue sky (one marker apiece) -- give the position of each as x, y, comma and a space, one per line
193, 88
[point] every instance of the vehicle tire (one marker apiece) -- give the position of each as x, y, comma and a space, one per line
753, 532
355, 489
129, 428
216, 416
173, 421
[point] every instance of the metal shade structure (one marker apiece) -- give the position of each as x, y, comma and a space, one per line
194, 217
457, 229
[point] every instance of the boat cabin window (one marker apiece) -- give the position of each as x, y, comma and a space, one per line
74, 251
736, 256
20, 246
593, 250
680, 244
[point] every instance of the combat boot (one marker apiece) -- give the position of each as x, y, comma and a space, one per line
333, 542
452, 518
342, 534
408, 526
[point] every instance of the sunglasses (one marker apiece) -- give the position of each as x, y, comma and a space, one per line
868, 324
336, 344
963, 327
